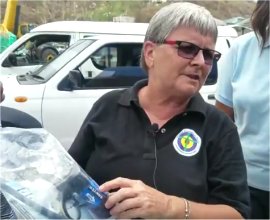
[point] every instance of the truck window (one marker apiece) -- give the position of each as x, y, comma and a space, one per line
111, 55
40, 49
109, 78
212, 77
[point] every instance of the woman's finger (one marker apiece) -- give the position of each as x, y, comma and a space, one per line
119, 196
116, 184
124, 206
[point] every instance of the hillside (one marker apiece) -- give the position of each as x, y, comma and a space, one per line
45, 11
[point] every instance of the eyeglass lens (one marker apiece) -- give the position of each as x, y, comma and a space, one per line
189, 51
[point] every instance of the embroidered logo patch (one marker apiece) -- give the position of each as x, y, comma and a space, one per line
187, 143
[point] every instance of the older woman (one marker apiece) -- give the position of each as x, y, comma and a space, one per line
174, 155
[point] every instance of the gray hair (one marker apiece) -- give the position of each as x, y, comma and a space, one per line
173, 16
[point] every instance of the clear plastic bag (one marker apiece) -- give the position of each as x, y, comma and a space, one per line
41, 180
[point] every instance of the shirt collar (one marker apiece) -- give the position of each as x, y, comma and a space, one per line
130, 95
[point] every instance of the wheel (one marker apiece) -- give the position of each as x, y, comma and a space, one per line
48, 54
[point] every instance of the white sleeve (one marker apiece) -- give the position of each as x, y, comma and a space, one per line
226, 68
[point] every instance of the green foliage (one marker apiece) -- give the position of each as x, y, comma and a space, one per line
142, 11
105, 11
44, 11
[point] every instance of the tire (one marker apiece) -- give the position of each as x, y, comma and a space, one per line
48, 54
11, 117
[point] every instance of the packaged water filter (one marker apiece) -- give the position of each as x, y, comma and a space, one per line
41, 180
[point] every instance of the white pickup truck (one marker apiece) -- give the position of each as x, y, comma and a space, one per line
60, 94
47, 41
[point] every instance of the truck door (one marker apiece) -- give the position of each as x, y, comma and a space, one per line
64, 109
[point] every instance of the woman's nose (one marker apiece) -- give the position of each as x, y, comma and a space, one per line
199, 58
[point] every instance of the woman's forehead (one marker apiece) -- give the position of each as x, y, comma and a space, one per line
194, 30
191, 34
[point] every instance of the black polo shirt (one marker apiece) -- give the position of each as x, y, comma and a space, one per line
196, 155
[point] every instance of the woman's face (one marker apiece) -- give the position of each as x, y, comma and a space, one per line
175, 75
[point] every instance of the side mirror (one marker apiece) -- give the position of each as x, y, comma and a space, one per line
10, 61
75, 79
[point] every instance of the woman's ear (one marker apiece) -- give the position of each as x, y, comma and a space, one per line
149, 53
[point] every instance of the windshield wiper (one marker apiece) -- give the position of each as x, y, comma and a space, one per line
30, 75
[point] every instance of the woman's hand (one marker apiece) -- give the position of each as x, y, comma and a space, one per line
134, 199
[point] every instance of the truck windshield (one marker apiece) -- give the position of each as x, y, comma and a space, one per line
49, 70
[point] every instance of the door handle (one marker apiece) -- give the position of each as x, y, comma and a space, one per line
211, 97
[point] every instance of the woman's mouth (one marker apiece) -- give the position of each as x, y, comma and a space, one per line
194, 77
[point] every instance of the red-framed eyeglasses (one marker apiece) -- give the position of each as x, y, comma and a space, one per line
189, 51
